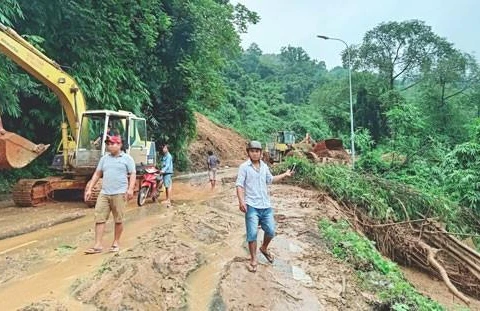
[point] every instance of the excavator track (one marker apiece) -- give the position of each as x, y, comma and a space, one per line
35, 192
31, 192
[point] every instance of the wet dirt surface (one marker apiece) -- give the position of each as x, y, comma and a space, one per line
15, 221
436, 289
303, 277
189, 257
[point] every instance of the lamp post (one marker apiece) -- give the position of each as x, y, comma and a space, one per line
352, 133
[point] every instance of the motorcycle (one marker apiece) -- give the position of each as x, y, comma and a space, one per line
150, 186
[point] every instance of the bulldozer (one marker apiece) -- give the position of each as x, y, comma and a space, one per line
83, 133
280, 146
325, 151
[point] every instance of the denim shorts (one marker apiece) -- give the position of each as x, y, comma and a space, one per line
254, 217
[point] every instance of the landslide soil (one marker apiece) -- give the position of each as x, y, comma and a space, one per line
227, 144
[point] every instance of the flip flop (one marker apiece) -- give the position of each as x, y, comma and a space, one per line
93, 250
267, 255
114, 249
252, 268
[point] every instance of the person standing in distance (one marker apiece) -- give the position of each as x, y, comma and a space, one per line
166, 173
117, 190
253, 200
212, 163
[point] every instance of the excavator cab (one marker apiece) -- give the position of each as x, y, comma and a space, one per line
97, 124
17, 151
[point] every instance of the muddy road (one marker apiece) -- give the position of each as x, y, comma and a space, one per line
192, 256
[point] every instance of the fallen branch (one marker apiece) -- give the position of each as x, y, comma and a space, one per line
396, 223
431, 253
470, 235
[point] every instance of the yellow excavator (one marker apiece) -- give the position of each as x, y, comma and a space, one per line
82, 139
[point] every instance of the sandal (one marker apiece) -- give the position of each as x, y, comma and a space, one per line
114, 249
93, 250
252, 268
267, 255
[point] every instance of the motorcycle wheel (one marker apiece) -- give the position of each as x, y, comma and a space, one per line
142, 195
159, 189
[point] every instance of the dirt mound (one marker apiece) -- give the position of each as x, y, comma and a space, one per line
228, 145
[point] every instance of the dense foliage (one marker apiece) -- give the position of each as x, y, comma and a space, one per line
154, 58
269, 92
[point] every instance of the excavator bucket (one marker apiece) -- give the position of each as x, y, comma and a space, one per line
17, 152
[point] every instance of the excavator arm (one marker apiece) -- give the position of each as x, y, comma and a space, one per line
16, 151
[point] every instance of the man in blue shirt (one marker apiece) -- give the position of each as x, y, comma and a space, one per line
117, 188
166, 172
253, 200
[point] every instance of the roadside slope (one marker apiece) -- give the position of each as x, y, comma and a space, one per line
227, 144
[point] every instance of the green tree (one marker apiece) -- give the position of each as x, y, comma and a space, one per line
462, 178
9, 79
395, 50
405, 124
448, 78
10, 11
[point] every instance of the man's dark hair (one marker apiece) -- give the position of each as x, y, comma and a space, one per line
210, 152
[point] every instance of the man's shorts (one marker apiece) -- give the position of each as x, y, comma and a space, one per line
167, 180
254, 217
212, 173
106, 203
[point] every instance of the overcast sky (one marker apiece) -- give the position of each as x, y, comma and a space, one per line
297, 22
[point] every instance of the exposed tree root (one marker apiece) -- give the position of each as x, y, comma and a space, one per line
431, 259
424, 244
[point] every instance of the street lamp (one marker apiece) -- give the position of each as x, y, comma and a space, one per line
352, 133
